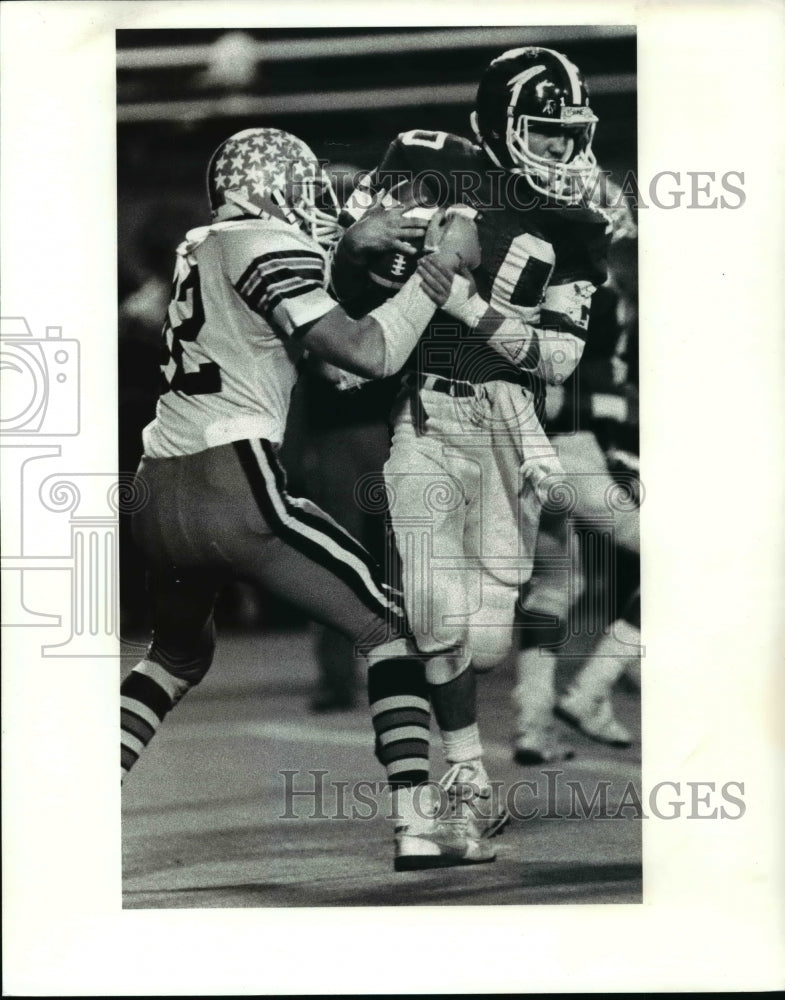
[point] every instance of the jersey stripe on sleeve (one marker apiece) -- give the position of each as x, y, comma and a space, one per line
273, 281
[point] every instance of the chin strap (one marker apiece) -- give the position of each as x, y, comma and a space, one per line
246, 206
511, 168
322, 227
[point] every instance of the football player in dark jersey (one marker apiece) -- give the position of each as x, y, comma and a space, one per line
470, 464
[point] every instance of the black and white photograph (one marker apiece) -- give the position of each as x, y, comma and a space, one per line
370, 452
386, 516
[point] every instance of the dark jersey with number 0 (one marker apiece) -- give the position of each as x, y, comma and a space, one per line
541, 262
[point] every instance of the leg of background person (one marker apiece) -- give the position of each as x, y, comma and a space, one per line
337, 681
587, 702
548, 599
553, 594
629, 629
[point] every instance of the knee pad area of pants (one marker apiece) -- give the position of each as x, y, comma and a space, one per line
490, 646
445, 667
437, 613
491, 629
187, 665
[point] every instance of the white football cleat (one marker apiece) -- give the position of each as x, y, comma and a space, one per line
594, 717
439, 843
473, 798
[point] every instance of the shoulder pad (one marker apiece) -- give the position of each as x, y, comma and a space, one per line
270, 232
244, 241
423, 148
586, 214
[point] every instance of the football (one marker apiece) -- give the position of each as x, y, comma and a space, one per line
392, 269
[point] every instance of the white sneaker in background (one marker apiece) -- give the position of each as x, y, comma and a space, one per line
593, 715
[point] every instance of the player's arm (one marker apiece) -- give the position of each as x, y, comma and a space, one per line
581, 268
552, 348
552, 352
284, 286
377, 345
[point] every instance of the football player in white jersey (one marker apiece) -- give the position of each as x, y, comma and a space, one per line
248, 301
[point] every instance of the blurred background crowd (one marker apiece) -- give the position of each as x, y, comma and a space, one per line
348, 93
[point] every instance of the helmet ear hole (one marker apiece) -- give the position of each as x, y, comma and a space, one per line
264, 172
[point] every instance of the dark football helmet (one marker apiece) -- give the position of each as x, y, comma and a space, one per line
537, 90
265, 172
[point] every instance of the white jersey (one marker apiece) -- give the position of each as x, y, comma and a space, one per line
242, 292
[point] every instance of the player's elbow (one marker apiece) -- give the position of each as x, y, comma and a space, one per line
345, 288
357, 346
559, 358
369, 366
367, 349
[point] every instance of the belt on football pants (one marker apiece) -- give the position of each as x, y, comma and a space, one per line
436, 383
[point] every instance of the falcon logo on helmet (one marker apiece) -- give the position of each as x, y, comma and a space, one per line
267, 173
538, 91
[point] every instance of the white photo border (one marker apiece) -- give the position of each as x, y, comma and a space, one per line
710, 78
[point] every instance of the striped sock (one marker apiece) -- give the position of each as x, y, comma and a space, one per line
398, 696
146, 695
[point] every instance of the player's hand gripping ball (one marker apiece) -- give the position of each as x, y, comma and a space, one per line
404, 214
452, 246
454, 230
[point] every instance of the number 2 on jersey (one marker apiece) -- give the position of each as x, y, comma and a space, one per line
183, 323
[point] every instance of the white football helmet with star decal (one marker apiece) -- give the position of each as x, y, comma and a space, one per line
268, 173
